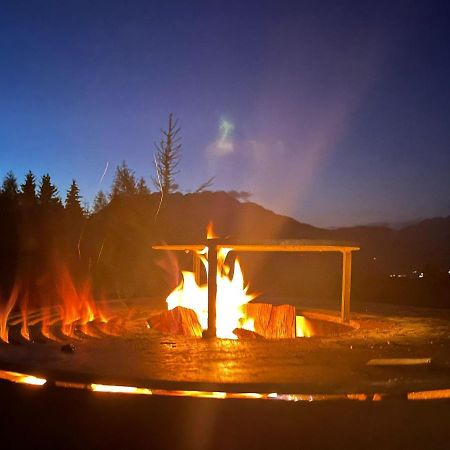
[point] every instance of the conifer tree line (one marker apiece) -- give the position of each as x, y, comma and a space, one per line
42, 193
166, 160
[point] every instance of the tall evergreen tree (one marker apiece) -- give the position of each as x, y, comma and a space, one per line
100, 201
168, 155
141, 187
48, 192
28, 189
124, 182
10, 188
73, 200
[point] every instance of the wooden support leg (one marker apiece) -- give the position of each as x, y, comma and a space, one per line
212, 291
346, 285
196, 266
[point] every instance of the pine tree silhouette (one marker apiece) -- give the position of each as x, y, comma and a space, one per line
168, 155
100, 201
48, 192
73, 200
142, 188
10, 188
124, 182
28, 189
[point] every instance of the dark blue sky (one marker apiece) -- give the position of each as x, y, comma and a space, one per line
336, 113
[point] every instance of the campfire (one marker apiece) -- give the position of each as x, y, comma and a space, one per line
188, 304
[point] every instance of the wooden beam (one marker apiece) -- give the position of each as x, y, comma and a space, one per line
269, 247
179, 247
346, 285
212, 289
399, 361
286, 248
196, 267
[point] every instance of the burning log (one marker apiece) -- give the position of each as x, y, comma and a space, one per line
179, 320
269, 322
272, 322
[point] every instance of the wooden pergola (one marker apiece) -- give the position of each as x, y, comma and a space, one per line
297, 245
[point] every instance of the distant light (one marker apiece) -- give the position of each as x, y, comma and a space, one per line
421, 275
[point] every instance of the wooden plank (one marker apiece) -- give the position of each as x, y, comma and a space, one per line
287, 248
399, 361
346, 285
196, 267
179, 247
274, 245
212, 290
260, 247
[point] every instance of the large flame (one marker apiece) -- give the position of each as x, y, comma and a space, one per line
231, 295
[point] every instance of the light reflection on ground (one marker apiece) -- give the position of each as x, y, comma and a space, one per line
22, 378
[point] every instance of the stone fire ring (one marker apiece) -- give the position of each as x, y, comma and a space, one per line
337, 364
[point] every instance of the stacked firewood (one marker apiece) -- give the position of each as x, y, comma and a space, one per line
269, 321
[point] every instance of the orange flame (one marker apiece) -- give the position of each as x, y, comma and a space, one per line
24, 331
302, 327
231, 295
4, 314
210, 233
72, 310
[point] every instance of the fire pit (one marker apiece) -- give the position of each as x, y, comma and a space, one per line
110, 347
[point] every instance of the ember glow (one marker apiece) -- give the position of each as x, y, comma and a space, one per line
72, 313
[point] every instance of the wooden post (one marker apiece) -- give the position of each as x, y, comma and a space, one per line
346, 285
196, 267
212, 289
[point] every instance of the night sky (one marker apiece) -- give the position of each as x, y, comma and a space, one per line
336, 113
